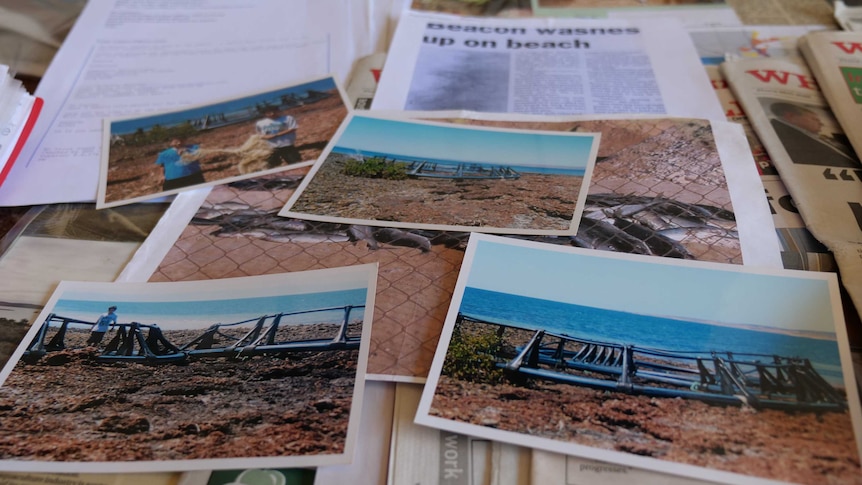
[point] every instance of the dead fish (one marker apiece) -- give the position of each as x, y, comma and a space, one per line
305, 237
702, 233
286, 224
451, 240
600, 235
397, 237
357, 233
277, 183
658, 244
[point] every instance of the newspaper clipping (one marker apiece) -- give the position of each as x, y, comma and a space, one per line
539, 66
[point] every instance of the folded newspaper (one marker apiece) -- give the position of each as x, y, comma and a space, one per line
810, 152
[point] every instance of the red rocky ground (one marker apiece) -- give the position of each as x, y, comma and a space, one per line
808, 448
69, 407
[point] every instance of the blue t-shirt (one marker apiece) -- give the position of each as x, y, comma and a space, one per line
175, 166
104, 321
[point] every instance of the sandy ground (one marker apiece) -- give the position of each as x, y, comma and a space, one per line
68, 407
133, 173
534, 201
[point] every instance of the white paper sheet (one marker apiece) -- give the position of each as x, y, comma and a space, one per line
129, 57
545, 66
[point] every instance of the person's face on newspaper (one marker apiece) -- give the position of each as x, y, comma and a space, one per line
806, 120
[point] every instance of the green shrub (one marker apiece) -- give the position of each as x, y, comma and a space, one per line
377, 168
472, 357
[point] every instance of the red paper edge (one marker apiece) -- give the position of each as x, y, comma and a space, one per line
25, 133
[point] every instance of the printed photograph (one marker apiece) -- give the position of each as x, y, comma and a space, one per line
810, 134
455, 78
708, 371
427, 175
236, 373
231, 140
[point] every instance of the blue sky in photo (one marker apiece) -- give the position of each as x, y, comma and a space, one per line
467, 144
174, 117
202, 313
647, 288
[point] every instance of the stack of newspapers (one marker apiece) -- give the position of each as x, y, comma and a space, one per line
18, 111
806, 111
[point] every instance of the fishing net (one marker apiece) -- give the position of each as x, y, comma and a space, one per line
253, 154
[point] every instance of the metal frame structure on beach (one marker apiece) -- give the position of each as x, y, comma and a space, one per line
461, 171
139, 342
716, 377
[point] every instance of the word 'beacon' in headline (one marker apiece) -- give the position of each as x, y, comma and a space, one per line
434, 28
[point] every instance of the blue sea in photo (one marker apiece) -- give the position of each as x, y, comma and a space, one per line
575, 172
647, 331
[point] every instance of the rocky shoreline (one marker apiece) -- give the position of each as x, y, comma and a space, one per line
534, 201
72, 408
810, 448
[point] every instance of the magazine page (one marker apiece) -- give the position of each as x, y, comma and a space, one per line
426, 456
650, 172
544, 66
835, 59
681, 367
808, 148
257, 372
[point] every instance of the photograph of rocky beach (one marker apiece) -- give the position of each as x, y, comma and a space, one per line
228, 144
647, 375
533, 201
261, 374
435, 176
69, 407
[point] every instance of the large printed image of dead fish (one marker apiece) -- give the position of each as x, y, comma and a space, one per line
622, 223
